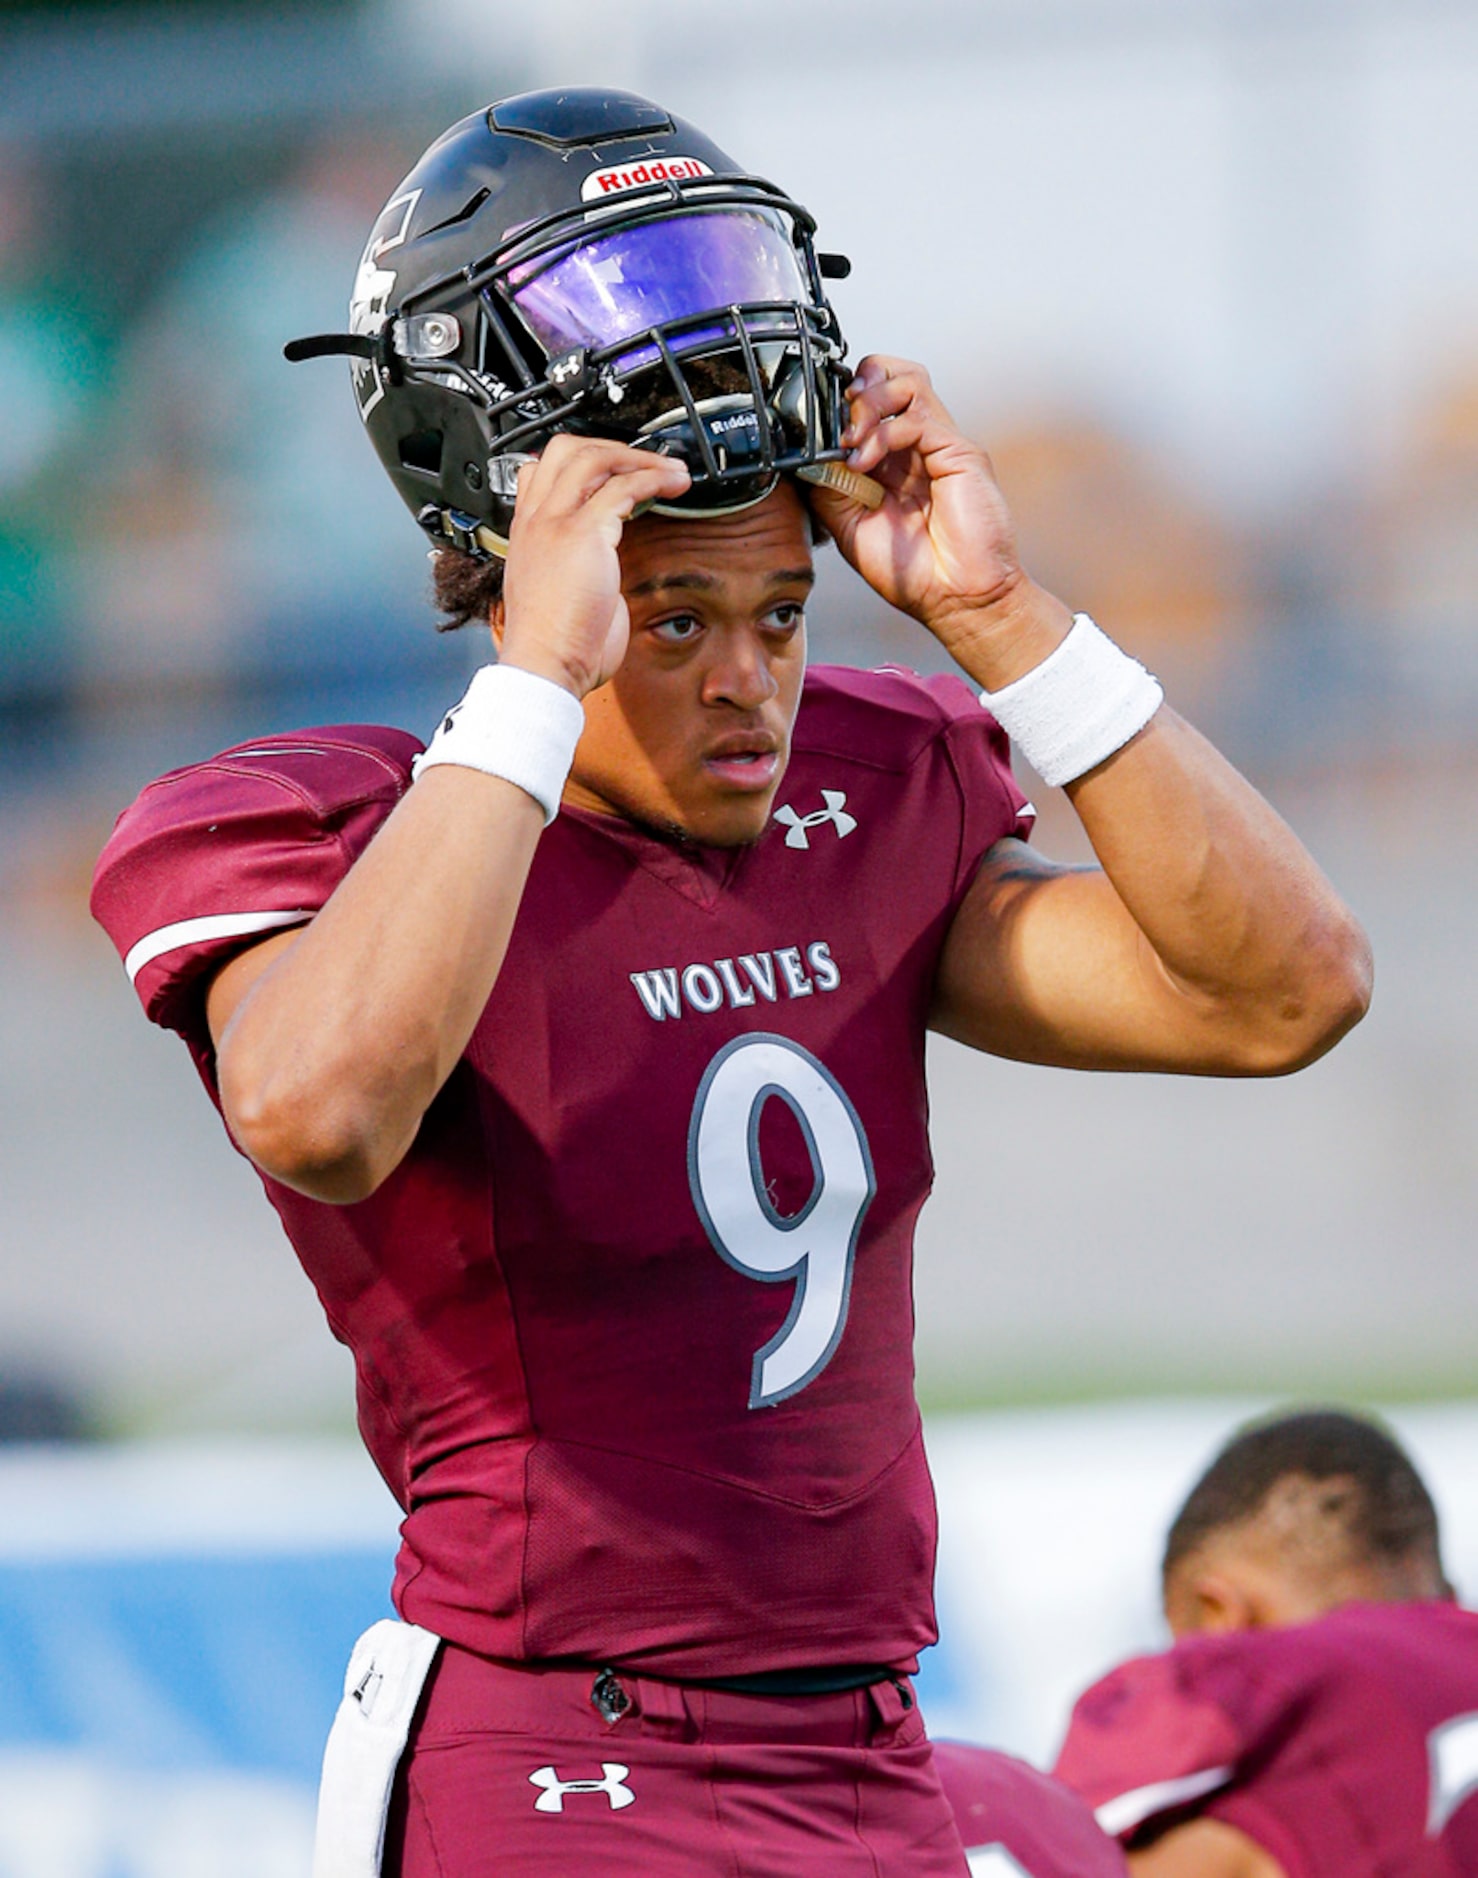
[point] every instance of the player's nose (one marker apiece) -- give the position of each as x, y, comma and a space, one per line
740, 672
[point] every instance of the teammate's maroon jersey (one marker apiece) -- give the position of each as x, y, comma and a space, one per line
1037, 1828
1347, 1747
632, 1321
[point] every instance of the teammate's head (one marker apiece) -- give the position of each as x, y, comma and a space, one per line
582, 260
1295, 1516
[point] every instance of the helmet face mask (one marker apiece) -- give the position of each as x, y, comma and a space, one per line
579, 261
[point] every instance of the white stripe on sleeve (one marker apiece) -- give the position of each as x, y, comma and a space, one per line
189, 932
1128, 1810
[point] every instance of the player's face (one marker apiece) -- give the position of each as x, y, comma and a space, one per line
1245, 1581
693, 732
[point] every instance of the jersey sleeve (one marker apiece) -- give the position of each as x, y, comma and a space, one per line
979, 753
213, 857
1153, 1737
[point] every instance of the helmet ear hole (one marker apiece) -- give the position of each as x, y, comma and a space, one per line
421, 452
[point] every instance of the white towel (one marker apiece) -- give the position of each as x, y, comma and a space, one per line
382, 1685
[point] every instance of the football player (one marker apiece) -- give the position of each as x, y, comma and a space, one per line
1017, 1822
1318, 1715
582, 1053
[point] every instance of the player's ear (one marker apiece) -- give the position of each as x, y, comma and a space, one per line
495, 620
1211, 1602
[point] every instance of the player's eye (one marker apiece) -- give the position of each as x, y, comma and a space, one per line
679, 631
785, 618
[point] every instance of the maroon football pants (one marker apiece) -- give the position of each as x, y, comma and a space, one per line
512, 1770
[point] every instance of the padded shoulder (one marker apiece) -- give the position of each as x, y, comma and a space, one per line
896, 722
998, 1800
887, 717
1161, 1732
211, 857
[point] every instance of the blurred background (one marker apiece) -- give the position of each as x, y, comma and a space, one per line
1203, 276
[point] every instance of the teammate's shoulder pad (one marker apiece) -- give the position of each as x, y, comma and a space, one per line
1000, 1800
1153, 1733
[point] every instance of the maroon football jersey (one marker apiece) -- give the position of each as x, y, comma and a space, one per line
632, 1321
1346, 1748
1016, 1821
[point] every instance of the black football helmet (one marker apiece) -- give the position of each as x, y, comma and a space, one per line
580, 260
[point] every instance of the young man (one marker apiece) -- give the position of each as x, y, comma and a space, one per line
586, 1069
1318, 1715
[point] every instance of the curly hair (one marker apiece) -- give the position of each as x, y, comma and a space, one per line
464, 589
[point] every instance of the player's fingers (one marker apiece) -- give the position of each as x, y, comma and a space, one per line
572, 470
658, 479
882, 384
881, 406
878, 367
891, 436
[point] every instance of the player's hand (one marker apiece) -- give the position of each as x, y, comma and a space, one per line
563, 614
941, 546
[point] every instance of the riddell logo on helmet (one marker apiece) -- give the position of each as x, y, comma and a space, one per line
601, 183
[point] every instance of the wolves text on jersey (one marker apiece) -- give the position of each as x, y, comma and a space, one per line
737, 982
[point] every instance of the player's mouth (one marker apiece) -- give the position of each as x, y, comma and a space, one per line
747, 760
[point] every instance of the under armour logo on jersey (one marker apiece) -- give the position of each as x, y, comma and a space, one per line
552, 1799
834, 812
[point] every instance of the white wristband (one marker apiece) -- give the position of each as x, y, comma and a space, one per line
1084, 701
514, 724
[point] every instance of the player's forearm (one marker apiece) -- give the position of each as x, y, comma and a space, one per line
1251, 936
1220, 947
331, 1056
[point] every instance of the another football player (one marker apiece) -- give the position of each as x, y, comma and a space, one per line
582, 1053
1318, 1715
1017, 1822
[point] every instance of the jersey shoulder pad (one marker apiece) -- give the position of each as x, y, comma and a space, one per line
885, 718
213, 856
894, 721
999, 1801
1155, 1735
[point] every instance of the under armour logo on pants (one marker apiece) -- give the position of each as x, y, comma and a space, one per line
552, 1799
835, 812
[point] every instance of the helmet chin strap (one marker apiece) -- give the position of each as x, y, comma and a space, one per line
845, 481
835, 476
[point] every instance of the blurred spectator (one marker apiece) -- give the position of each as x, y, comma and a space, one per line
249, 527
53, 368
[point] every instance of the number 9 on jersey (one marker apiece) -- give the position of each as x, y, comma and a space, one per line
815, 1246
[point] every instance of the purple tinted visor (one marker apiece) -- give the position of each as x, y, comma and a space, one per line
652, 273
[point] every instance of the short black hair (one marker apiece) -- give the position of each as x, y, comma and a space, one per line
1377, 1499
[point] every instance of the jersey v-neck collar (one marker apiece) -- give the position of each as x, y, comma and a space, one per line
698, 873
